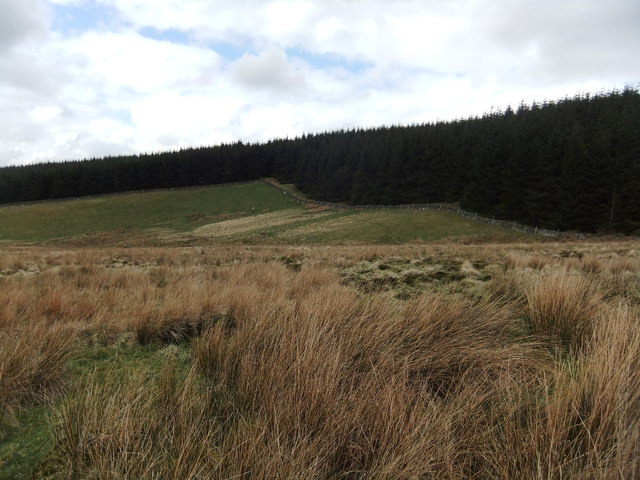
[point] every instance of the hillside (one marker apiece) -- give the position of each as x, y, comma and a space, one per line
251, 212
573, 164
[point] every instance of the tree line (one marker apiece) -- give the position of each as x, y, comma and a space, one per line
571, 164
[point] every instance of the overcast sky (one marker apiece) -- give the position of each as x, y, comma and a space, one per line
86, 78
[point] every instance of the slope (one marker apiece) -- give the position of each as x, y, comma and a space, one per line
250, 213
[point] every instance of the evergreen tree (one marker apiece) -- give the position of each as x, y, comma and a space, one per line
570, 164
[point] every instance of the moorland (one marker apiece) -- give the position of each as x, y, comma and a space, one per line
227, 332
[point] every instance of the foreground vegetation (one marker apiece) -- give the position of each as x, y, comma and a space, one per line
327, 362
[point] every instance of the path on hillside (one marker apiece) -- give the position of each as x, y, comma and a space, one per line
427, 206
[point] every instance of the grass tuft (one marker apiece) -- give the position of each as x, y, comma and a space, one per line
562, 306
32, 368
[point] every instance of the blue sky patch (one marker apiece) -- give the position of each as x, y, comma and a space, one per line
327, 60
81, 18
173, 36
228, 51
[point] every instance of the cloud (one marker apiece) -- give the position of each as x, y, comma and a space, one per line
21, 19
569, 41
145, 75
129, 60
520, 40
270, 69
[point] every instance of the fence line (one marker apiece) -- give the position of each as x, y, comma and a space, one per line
432, 206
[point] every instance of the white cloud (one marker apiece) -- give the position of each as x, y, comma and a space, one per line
44, 113
21, 19
128, 60
303, 66
68, 2
168, 120
270, 69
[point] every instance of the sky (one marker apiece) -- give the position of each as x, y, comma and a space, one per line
90, 78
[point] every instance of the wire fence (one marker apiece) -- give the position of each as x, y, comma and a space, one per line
434, 206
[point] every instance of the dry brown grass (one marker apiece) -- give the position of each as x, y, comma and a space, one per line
584, 421
510, 287
592, 264
295, 375
536, 262
563, 305
350, 388
137, 427
32, 367
234, 227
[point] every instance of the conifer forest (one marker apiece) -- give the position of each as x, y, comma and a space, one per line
570, 164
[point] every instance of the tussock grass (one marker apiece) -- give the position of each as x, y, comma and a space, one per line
511, 287
295, 375
351, 388
536, 262
32, 368
583, 421
563, 305
150, 328
137, 427
592, 264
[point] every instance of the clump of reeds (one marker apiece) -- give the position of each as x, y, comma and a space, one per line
592, 264
510, 287
562, 306
157, 327
32, 367
535, 262
583, 420
137, 426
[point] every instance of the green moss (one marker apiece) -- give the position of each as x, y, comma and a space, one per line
406, 279
27, 446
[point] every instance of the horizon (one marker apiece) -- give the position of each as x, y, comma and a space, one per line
494, 111
95, 78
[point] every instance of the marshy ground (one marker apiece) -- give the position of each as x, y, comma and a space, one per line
318, 361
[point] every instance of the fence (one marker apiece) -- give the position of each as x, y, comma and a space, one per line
434, 206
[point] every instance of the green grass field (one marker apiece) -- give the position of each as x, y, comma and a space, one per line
251, 213
174, 209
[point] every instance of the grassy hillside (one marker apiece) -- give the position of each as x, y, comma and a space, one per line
247, 213
174, 209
